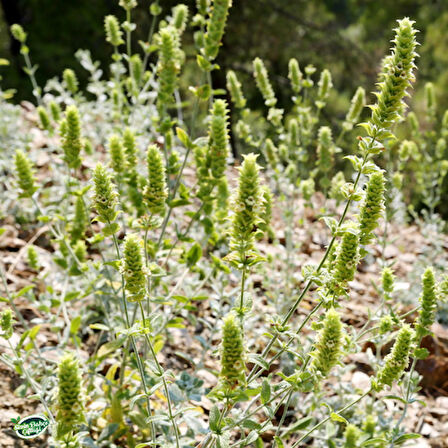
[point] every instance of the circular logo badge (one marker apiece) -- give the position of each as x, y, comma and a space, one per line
31, 426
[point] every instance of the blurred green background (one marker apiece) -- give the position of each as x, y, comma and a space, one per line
350, 37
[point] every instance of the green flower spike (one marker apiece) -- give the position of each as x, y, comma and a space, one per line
263, 83
234, 88
215, 27
430, 100
247, 206
55, 111
71, 137
356, 106
351, 436
116, 152
70, 397
295, 75
327, 350
232, 352
169, 64
218, 139
325, 150
347, 259
155, 192
24, 174
133, 268
33, 258
271, 153
397, 360
387, 280
18, 33
325, 84
266, 213
428, 302
130, 149
80, 220
180, 17
137, 69
105, 198
372, 207
70, 80
396, 77
44, 119
7, 323
113, 31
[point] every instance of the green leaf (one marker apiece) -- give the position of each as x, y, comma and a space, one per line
338, 418
99, 326
214, 419
265, 394
279, 442
34, 331
250, 424
194, 255
75, 324
404, 437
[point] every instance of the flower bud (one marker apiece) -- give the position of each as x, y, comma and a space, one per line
234, 88
33, 259
70, 399
215, 27
351, 436
71, 137
327, 349
387, 280
325, 84
270, 153
397, 360
263, 83
430, 100
133, 268
55, 111
180, 17
295, 75
218, 139
113, 31
79, 224
18, 33
70, 80
372, 207
232, 352
105, 198
325, 149
7, 323
428, 303
357, 104
24, 174
155, 192
44, 119
116, 154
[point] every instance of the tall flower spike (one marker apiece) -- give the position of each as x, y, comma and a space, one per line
55, 110
263, 83
7, 323
347, 258
71, 137
215, 27
79, 223
116, 152
295, 75
24, 174
325, 84
137, 69
130, 149
247, 207
33, 258
270, 152
266, 213
70, 80
113, 31
428, 302
372, 207
105, 198
232, 352
70, 399
234, 88
180, 17
169, 65
430, 100
356, 106
218, 139
396, 77
327, 350
155, 192
397, 360
387, 280
133, 268
325, 149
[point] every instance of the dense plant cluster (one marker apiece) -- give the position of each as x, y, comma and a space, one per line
155, 231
